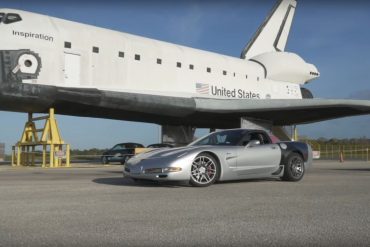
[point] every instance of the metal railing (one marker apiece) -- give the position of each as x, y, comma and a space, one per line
348, 151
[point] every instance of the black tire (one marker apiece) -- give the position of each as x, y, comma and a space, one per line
294, 168
125, 160
204, 170
104, 160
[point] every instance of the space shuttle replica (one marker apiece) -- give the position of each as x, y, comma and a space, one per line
83, 70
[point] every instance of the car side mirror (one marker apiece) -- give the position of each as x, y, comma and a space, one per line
253, 143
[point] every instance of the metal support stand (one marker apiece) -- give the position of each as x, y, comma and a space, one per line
252, 123
294, 133
281, 132
177, 135
25, 153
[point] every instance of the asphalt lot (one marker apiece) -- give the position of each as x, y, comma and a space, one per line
95, 206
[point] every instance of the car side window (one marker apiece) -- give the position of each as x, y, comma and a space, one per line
261, 137
265, 138
254, 136
245, 139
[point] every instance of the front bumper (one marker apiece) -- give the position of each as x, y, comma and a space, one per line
166, 165
162, 176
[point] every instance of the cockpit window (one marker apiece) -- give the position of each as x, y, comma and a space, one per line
1, 16
10, 18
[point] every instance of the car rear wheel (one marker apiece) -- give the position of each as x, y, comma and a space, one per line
294, 168
204, 170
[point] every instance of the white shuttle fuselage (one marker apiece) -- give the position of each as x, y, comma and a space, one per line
78, 55
89, 71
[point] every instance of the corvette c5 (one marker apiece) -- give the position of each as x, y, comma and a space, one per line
224, 155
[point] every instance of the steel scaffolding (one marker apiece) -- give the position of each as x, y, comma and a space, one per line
55, 153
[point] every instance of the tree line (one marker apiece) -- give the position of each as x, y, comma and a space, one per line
91, 151
336, 141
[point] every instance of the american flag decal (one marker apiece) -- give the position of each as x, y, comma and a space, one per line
202, 88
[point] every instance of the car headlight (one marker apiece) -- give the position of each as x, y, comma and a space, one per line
153, 170
172, 169
162, 170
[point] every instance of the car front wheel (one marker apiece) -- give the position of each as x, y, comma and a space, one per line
294, 168
204, 170
104, 160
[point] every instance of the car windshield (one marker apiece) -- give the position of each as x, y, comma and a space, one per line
222, 138
118, 147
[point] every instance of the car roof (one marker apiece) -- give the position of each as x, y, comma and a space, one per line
129, 143
161, 144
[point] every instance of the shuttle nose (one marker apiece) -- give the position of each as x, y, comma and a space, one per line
314, 72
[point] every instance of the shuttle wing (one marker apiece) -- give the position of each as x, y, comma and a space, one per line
285, 111
199, 112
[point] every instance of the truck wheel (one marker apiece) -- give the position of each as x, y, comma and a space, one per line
294, 168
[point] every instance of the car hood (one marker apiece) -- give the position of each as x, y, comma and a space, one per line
165, 153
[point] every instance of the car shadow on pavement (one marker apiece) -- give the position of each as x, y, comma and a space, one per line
254, 180
124, 181
121, 181
117, 172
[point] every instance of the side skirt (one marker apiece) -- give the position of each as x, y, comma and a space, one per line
279, 172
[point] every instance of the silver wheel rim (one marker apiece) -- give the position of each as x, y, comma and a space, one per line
296, 167
203, 170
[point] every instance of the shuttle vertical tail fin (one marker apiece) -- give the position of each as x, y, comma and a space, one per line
273, 34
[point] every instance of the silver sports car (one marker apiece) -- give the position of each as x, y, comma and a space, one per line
225, 155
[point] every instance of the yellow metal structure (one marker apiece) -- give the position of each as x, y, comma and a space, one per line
295, 133
54, 150
142, 150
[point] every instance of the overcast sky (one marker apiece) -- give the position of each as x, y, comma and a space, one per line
333, 35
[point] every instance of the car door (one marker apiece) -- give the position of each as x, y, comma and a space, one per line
231, 157
258, 159
116, 152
